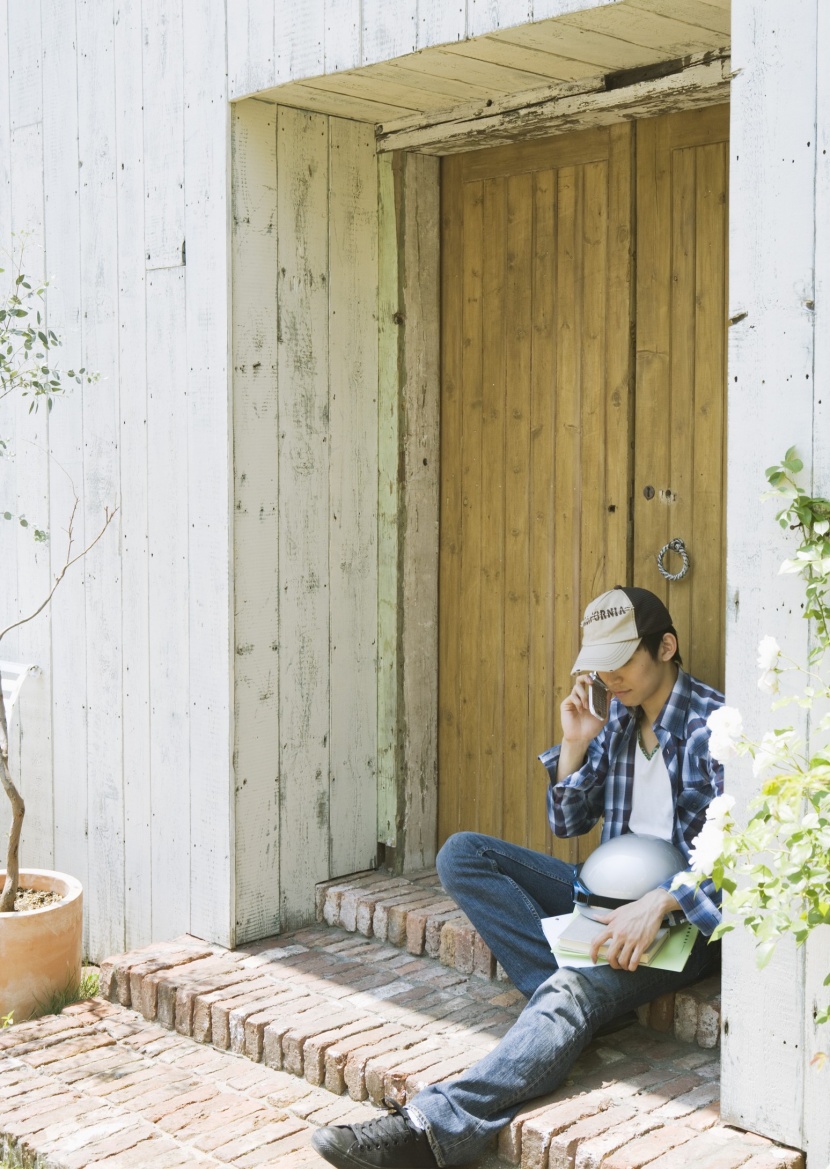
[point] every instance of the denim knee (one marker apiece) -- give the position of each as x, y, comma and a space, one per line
458, 848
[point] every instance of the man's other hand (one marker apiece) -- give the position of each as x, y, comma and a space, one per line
632, 928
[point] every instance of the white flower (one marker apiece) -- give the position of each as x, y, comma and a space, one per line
769, 652
772, 749
726, 727
719, 809
707, 846
768, 682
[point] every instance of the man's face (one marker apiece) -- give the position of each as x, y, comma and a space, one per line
641, 677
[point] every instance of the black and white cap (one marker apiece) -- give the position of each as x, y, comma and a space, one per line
614, 625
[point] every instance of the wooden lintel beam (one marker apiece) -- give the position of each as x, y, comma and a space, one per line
699, 80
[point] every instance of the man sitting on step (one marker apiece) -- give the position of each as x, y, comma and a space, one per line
646, 768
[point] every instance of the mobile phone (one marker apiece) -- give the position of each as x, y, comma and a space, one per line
597, 697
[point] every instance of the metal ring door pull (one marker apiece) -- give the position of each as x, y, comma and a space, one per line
680, 548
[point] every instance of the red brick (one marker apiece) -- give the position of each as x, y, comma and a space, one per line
592, 1152
106, 1145
669, 1090
564, 1145
252, 1001
322, 890
177, 1101
336, 890
201, 1028
278, 1027
389, 910
538, 1132
708, 1024
294, 1042
354, 1072
70, 1048
685, 1015
316, 1047
447, 1069
459, 952
435, 924
720, 1148
386, 1074
416, 924
574, 1107
647, 1148
777, 1158
250, 1038
661, 1013
484, 963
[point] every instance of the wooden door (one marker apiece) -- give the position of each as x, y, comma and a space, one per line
561, 473
535, 449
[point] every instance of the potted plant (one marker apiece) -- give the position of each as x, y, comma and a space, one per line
41, 915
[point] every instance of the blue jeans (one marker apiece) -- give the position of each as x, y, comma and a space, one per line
505, 890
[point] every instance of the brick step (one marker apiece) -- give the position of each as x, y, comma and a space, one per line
360, 1018
416, 915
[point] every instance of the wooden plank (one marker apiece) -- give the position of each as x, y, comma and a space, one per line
459, 296
251, 48
595, 48
649, 29
708, 537
387, 30
703, 81
489, 675
5, 135
304, 511
406, 71
164, 230
471, 456
683, 433
419, 560
353, 479
527, 59
306, 96
255, 528
462, 60
342, 34
366, 86
652, 467
619, 350
104, 897
31, 434
567, 150
542, 501
567, 470
66, 444
699, 127
209, 547
771, 271
485, 15
25, 65
703, 14
389, 423
300, 39
169, 625
517, 754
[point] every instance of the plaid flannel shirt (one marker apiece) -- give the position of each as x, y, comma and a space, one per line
603, 785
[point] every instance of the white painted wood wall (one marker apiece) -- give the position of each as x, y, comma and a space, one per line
112, 155
779, 370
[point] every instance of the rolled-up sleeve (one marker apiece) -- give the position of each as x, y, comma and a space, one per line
700, 903
577, 802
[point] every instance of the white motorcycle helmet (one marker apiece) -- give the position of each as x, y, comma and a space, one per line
624, 869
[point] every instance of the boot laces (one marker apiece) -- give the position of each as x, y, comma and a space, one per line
383, 1131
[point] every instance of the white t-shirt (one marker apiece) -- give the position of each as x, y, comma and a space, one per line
652, 804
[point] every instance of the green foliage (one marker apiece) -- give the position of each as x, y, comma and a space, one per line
775, 871
73, 992
6, 1020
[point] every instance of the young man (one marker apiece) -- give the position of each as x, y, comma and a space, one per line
647, 770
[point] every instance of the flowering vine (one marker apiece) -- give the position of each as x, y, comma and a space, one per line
775, 871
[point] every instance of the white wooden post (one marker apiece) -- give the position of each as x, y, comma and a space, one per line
768, 1085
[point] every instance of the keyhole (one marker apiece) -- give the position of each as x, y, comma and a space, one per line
648, 492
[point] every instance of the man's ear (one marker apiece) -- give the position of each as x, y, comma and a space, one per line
668, 647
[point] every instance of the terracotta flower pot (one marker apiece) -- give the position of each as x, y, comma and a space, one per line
40, 949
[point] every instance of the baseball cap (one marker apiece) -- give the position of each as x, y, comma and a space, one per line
614, 625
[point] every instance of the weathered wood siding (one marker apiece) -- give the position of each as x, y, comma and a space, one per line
114, 158
778, 373
305, 265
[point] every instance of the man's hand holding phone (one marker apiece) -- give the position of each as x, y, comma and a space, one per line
579, 726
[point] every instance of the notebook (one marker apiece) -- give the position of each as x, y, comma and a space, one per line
580, 932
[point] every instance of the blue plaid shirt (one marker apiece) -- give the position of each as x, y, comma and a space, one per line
604, 783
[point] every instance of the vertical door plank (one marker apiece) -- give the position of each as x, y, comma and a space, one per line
490, 682
567, 469
652, 430
163, 97
471, 499
517, 750
543, 421
454, 293
680, 400
304, 512
708, 469
255, 527
619, 352
353, 288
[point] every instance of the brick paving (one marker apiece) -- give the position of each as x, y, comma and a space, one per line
199, 1056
